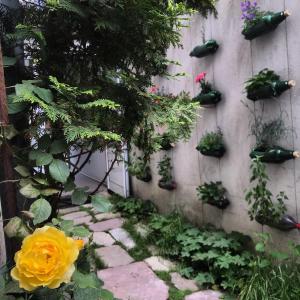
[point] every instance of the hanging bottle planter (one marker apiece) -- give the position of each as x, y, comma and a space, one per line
257, 22
166, 142
165, 171
213, 193
273, 154
266, 84
209, 47
208, 96
140, 169
286, 223
212, 144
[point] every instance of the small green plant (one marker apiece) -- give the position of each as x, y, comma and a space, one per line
213, 193
165, 171
259, 197
141, 169
212, 144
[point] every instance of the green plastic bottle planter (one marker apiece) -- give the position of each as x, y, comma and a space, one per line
264, 25
270, 90
171, 185
208, 99
220, 203
217, 152
274, 154
146, 177
209, 47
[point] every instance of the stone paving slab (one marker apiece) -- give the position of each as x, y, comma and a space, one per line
106, 216
107, 225
204, 295
75, 215
122, 236
182, 283
134, 282
103, 239
114, 256
64, 211
83, 220
157, 263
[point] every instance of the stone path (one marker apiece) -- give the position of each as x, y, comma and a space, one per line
125, 278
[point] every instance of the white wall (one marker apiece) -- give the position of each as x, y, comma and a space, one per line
235, 62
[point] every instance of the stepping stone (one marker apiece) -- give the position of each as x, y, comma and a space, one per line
183, 284
68, 210
204, 295
114, 256
106, 216
107, 225
122, 236
141, 229
83, 220
103, 239
157, 263
134, 282
75, 215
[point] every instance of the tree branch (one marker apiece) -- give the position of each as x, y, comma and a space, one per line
84, 163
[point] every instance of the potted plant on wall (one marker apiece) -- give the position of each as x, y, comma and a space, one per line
262, 208
213, 193
266, 84
267, 134
208, 95
165, 171
140, 169
167, 142
209, 47
212, 144
258, 22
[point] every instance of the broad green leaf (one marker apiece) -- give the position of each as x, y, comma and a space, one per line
44, 94
101, 203
15, 107
41, 210
58, 146
260, 247
79, 196
204, 278
87, 293
25, 181
9, 61
29, 191
44, 142
59, 170
85, 281
67, 226
33, 154
49, 192
69, 185
16, 228
43, 159
23, 171
40, 180
81, 231
9, 132
106, 295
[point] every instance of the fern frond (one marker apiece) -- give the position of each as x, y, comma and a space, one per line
102, 103
67, 5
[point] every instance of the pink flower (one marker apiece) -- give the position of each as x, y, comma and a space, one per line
200, 77
153, 89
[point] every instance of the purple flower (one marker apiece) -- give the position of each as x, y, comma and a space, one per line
249, 10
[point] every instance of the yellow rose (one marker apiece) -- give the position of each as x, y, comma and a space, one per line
46, 259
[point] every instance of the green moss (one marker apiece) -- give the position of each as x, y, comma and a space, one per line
165, 276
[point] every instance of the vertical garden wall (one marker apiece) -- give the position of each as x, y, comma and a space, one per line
236, 60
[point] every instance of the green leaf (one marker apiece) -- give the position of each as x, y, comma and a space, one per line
79, 196
44, 142
81, 231
85, 281
44, 94
23, 171
49, 192
41, 210
29, 191
9, 61
25, 181
15, 107
16, 228
260, 247
43, 159
101, 204
67, 226
59, 170
204, 278
69, 185
87, 293
40, 180
107, 295
58, 146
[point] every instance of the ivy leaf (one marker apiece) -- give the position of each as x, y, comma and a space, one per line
41, 210
58, 146
23, 171
49, 192
81, 231
101, 204
29, 191
79, 196
59, 170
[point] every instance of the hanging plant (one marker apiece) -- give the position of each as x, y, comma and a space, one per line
266, 84
167, 142
207, 96
212, 144
165, 171
258, 22
209, 47
140, 169
259, 197
213, 193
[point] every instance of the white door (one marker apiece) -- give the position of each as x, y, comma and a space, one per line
118, 179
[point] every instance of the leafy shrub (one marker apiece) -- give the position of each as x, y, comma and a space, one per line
139, 168
165, 169
211, 141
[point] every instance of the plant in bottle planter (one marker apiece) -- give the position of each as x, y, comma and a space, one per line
267, 134
258, 22
259, 197
209, 47
212, 144
266, 84
140, 169
213, 193
165, 171
207, 96
167, 141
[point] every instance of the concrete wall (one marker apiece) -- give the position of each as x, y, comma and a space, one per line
235, 62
